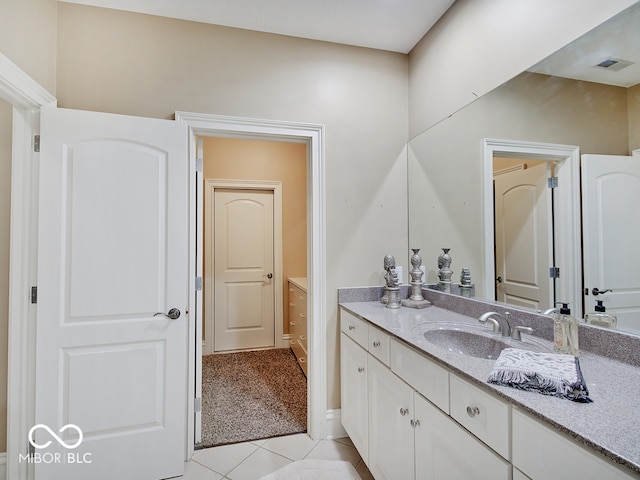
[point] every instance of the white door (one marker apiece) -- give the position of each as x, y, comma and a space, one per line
523, 237
112, 252
611, 235
243, 256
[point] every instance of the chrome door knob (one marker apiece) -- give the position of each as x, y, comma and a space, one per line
173, 314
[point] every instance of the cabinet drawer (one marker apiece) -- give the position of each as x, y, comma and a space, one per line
484, 415
429, 379
300, 354
379, 344
354, 327
540, 453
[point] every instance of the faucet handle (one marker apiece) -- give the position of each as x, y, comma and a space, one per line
516, 333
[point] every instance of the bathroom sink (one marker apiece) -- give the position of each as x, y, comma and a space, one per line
475, 342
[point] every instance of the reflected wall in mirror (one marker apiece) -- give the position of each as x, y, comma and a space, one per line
447, 193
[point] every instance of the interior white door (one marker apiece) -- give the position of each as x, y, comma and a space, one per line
611, 235
112, 252
523, 238
243, 256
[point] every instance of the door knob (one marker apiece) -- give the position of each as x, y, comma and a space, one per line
499, 279
268, 275
173, 314
597, 292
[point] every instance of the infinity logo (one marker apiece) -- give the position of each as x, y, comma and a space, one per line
32, 440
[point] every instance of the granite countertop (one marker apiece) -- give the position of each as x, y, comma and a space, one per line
609, 425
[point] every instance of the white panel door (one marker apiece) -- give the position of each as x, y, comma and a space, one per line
611, 235
244, 313
112, 252
523, 238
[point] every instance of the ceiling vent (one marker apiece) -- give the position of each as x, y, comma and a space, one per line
614, 64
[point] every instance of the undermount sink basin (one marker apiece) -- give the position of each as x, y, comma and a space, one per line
476, 343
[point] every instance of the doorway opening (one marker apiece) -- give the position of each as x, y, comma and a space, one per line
566, 213
255, 240
312, 136
523, 232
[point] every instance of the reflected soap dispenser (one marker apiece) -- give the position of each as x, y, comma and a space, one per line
565, 331
600, 317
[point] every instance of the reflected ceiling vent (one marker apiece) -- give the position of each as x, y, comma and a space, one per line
614, 64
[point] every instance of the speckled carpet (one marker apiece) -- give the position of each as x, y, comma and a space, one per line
252, 395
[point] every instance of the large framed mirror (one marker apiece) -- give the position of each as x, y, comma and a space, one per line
584, 99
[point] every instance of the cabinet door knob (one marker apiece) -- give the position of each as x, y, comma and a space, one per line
360, 369
376, 343
415, 423
352, 327
404, 411
472, 411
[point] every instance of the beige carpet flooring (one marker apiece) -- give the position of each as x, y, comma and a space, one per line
252, 395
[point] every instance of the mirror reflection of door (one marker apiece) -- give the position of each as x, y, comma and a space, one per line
611, 235
523, 233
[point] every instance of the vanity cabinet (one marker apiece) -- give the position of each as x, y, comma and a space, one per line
298, 320
397, 414
354, 412
541, 453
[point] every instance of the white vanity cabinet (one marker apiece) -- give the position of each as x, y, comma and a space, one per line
298, 320
391, 419
353, 393
399, 433
541, 453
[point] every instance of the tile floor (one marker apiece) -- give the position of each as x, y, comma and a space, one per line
251, 460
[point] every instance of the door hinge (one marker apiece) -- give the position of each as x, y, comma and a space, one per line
552, 182
198, 284
197, 404
34, 294
554, 272
199, 166
36, 143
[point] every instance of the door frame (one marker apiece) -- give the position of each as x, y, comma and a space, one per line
567, 234
210, 186
209, 125
27, 97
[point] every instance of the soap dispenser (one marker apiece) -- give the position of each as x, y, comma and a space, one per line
600, 317
565, 331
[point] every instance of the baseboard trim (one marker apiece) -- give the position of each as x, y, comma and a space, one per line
334, 428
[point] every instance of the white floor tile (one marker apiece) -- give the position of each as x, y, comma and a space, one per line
261, 462
195, 471
225, 458
345, 441
294, 447
330, 450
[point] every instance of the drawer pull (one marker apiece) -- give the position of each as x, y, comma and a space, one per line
303, 337
360, 369
302, 315
302, 360
404, 411
352, 327
415, 423
292, 323
376, 343
473, 411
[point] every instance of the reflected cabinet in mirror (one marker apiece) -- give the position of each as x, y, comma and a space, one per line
535, 186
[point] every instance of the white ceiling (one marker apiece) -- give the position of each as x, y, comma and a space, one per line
617, 38
394, 25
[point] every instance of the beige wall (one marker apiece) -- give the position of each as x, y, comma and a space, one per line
634, 117
531, 107
150, 66
28, 38
237, 159
479, 45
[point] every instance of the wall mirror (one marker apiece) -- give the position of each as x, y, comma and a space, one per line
539, 123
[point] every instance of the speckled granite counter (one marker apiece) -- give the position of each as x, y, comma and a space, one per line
609, 425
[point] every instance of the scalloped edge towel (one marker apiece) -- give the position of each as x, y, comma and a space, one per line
552, 374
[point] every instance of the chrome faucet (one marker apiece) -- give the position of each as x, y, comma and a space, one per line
499, 322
